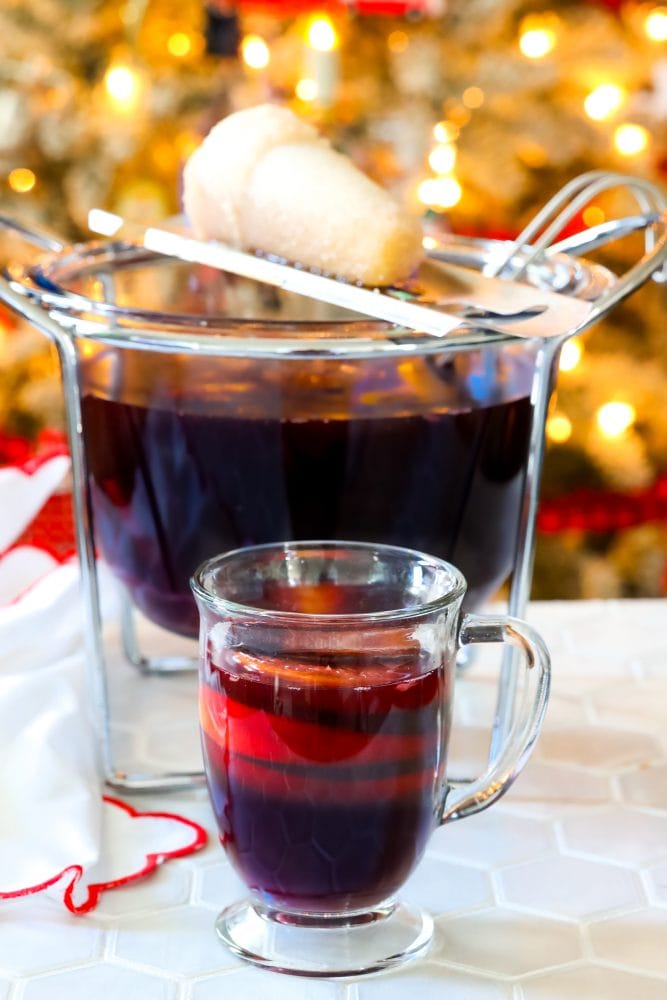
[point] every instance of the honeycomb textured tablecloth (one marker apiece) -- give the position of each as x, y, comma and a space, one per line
558, 891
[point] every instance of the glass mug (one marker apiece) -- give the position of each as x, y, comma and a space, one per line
326, 684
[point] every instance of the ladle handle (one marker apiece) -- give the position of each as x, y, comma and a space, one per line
464, 799
28, 309
20, 302
37, 236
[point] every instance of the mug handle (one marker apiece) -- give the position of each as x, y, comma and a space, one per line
462, 799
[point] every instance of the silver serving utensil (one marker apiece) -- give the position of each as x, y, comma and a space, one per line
472, 310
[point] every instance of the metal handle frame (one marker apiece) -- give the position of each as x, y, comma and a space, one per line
533, 245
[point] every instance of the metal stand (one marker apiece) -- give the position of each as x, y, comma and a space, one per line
529, 252
533, 248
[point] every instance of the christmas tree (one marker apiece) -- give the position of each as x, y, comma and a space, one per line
474, 112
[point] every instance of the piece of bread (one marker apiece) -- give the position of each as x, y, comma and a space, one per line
264, 180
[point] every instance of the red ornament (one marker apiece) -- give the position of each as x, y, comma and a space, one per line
603, 511
387, 8
614, 5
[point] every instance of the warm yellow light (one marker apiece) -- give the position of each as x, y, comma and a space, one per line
164, 154
445, 132
570, 355
442, 159
559, 428
631, 139
614, 419
532, 154
536, 43
186, 143
604, 101
255, 52
21, 180
179, 44
306, 89
123, 85
473, 97
655, 25
440, 192
398, 41
593, 215
321, 34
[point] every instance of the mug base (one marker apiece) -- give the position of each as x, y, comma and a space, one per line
335, 947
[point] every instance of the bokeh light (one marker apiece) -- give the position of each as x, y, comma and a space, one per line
21, 180
655, 25
398, 41
473, 97
445, 132
255, 52
321, 34
604, 101
631, 139
559, 428
570, 355
439, 192
306, 89
179, 44
442, 159
124, 87
615, 418
536, 43
593, 215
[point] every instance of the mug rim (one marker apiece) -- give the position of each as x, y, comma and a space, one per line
214, 602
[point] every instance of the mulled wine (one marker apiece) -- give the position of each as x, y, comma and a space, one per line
321, 767
325, 695
190, 457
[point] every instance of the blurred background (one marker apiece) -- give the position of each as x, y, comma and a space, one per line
474, 112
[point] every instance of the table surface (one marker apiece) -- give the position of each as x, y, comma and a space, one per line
558, 891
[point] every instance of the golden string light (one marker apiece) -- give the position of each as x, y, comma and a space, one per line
179, 44
442, 191
570, 355
615, 418
398, 41
559, 428
473, 97
321, 34
255, 52
306, 89
593, 215
631, 139
21, 180
604, 101
124, 87
655, 24
444, 132
442, 158
439, 192
536, 43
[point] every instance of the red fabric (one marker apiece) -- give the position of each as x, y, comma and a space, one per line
53, 528
16, 450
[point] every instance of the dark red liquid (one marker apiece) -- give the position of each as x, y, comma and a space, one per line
174, 484
322, 777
